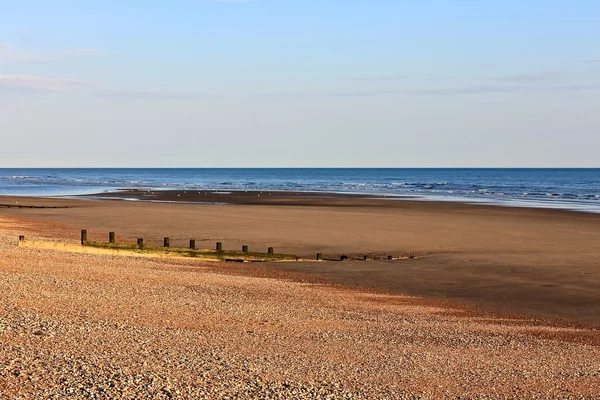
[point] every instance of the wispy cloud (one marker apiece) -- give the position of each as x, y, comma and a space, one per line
34, 83
383, 78
41, 84
536, 77
448, 91
533, 82
9, 52
498, 89
540, 82
155, 95
399, 77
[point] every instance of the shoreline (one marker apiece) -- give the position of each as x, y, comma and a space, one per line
301, 198
246, 197
202, 196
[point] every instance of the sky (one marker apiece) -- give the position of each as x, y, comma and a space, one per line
299, 83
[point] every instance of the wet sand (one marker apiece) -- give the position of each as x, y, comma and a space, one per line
544, 263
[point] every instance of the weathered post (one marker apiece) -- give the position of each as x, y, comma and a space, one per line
244, 249
83, 236
219, 246
140, 242
319, 256
111, 237
192, 244
167, 242
271, 251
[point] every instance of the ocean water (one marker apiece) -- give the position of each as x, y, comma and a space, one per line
576, 189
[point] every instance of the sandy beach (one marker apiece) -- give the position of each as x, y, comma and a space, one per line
496, 303
541, 262
245, 199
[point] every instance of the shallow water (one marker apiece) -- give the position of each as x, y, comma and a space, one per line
547, 188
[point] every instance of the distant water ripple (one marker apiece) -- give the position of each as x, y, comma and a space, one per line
577, 189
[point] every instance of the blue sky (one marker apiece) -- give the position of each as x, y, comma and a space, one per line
299, 83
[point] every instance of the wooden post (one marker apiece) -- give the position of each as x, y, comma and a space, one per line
140, 242
167, 242
366, 258
271, 251
83, 236
111, 237
319, 256
244, 248
192, 244
219, 246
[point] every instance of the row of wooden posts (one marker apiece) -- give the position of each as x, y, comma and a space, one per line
219, 246
167, 242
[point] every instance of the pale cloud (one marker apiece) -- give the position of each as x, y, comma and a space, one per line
35, 83
155, 95
413, 78
447, 91
537, 77
385, 78
9, 52
538, 82
42, 84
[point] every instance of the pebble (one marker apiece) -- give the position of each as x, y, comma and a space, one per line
100, 327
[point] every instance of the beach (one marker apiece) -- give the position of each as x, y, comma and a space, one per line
537, 261
485, 301
244, 199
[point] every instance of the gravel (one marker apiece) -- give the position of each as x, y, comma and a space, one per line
101, 327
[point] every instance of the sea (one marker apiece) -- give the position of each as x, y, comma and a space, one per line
572, 189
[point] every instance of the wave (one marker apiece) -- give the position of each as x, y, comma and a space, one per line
477, 186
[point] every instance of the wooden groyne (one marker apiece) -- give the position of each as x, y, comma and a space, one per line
112, 247
218, 253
